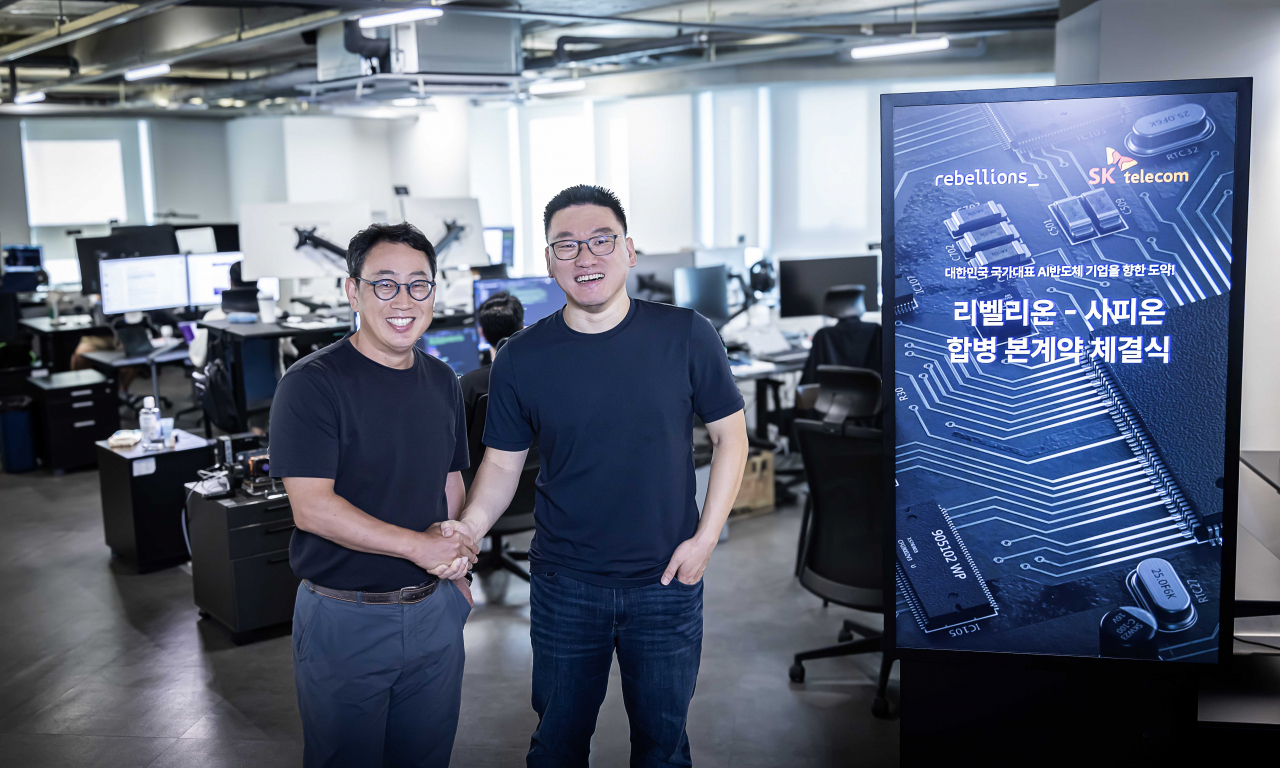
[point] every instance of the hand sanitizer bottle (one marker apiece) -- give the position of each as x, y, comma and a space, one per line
149, 421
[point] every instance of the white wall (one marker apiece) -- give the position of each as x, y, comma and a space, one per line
488, 143
190, 164
660, 138
431, 154
255, 151
1173, 39
13, 200
332, 159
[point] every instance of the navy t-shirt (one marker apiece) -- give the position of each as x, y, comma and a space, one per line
387, 437
612, 416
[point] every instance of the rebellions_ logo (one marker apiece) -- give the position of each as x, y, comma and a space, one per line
1118, 162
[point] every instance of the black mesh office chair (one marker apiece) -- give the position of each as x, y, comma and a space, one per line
518, 517
845, 395
842, 559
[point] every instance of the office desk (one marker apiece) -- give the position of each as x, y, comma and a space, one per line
762, 373
56, 343
251, 356
143, 499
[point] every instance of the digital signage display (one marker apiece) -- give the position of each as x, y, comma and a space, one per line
1067, 275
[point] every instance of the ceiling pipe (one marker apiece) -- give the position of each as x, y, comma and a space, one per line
627, 50
75, 30
230, 42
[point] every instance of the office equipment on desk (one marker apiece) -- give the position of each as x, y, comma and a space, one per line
518, 516
20, 267
196, 240
143, 498
226, 237
62, 272
540, 297
240, 569
145, 240
453, 226
500, 244
72, 409
140, 284
803, 282
459, 347
653, 277
270, 241
209, 276
491, 272
842, 544
704, 290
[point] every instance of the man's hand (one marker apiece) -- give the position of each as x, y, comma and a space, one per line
434, 549
689, 561
455, 570
465, 589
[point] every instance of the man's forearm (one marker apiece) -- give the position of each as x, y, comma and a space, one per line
332, 517
491, 493
728, 458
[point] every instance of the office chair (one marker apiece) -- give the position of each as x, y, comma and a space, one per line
842, 561
518, 516
842, 395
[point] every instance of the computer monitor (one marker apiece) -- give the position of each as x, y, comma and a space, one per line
272, 246
22, 258
141, 284
1062, 391
704, 290
453, 226
459, 347
62, 272
653, 276
226, 237
500, 244
802, 282
209, 274
540, 297
124, 242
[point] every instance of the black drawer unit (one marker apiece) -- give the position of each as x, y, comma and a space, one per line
240, 560
143, 498
73, 410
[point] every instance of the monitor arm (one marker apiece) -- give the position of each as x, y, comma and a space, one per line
324, 247
452, 231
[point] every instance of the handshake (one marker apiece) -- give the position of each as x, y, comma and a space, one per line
446, 550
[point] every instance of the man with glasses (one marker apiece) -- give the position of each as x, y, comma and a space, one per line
609, 388
369, 436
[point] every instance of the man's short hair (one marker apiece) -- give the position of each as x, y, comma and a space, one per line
403, 233
500, 316
583, 194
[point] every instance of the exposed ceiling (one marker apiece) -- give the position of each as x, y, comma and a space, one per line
229, 57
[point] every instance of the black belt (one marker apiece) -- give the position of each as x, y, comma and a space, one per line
405, 596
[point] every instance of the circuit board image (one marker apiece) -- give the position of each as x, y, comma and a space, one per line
1062, 284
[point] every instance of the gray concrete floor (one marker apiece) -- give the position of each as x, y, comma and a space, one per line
102, 667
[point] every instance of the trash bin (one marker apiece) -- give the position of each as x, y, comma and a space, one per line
17, 453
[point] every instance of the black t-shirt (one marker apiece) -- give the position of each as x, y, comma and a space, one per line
387, 437
474, 384
612, 414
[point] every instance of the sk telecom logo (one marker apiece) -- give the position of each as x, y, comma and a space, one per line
1115, 160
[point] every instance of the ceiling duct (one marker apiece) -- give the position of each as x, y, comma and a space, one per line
614, 51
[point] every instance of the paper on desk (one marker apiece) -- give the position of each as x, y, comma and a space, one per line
754, 367
310, 325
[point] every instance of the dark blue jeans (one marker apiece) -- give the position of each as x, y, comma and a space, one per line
576, 628
378, 685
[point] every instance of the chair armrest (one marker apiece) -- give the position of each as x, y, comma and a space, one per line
806, 396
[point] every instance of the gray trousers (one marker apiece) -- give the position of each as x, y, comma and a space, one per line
379, 685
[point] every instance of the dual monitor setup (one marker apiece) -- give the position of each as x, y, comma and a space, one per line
144, 283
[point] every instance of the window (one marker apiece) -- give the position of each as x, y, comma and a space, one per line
74, 181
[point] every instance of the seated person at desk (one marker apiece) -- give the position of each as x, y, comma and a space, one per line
500, 316
850, 341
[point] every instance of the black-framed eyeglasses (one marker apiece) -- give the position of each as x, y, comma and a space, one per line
419, 290
600, 245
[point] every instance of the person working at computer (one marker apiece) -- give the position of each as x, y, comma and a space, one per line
368, 435
608, 388
850, 342
500, 316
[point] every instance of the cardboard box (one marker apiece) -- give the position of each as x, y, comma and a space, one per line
756, 494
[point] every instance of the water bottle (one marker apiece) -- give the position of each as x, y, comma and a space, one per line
149, 421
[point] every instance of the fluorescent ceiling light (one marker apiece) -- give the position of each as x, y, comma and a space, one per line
901, 49
408, 101
400, 17
556, 86
142, 73
29, 98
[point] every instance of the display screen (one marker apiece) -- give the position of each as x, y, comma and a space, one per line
540, 297
456, 346
1062, 300
209, 274
140, 284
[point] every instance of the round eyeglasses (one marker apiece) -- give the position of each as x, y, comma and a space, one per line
419, 290
600, 245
